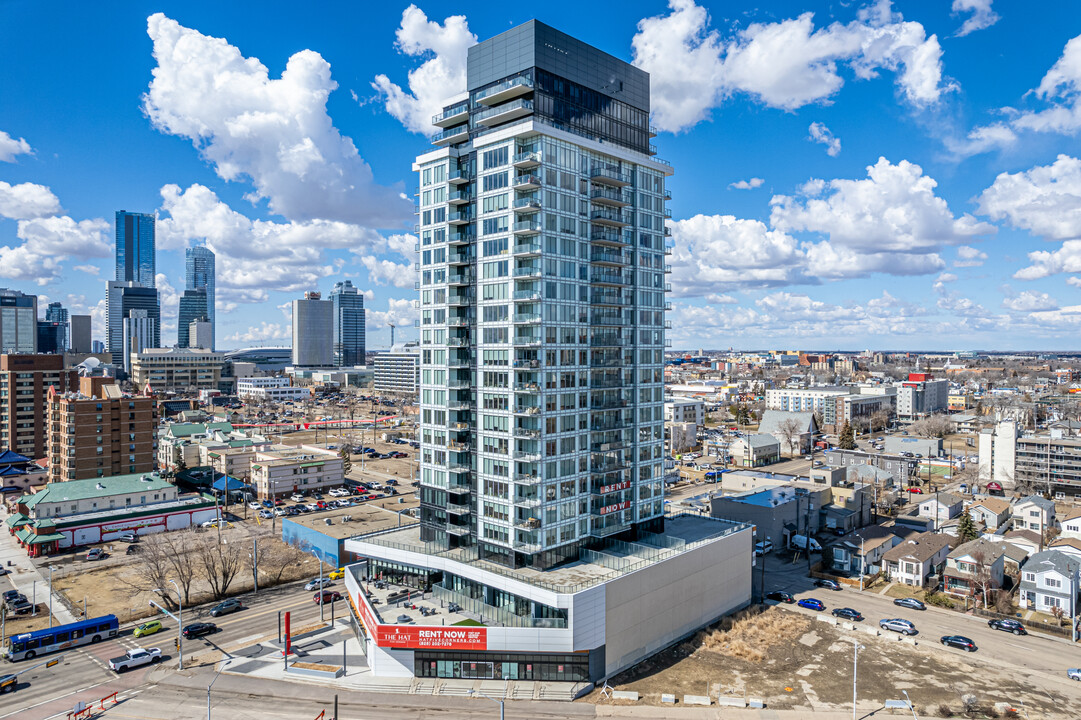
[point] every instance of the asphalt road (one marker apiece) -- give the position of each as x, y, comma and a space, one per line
83, 673
1036, 653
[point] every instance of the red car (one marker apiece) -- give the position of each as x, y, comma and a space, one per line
326, 596
322, 505
915, 491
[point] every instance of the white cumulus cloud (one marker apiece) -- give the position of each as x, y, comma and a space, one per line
982, 15
968, 256
10, 147
1030, 301
27, 200
819, 133
749, 184
785, 64
441, 75
894, 209
1045, 200
274, 132
261, 333
47, 241
386, 272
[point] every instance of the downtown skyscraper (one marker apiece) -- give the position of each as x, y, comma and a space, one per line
136, 257
199, 273
134, 286
349, 337
542, 300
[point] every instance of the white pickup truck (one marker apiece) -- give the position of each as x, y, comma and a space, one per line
135, 658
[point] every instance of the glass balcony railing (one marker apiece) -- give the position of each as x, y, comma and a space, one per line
504, 90
454, 134
502, 113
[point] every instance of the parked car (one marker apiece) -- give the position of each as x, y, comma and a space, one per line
128, 537
336, 574
1074, 673
915, 490
266, 514
326, 596
226, 606
812, 604
780, 596
13, 596
1007, 625
317, 583
254, 505
198, 629
21, 607
898, 625
828, 584
95, 554
216, 522
296, 497
848, 614
147, 628
280, 512
311, 507
959, 641
910, 603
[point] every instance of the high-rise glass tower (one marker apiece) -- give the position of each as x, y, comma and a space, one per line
57, 313
135, 250
199, 275
542, 300
122, 298
313, 331
193, 306
348, 324
18, 322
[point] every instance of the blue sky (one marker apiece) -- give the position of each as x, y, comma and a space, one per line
848, 175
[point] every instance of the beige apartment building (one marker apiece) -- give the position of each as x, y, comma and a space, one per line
24, 385
176, 369
281, 470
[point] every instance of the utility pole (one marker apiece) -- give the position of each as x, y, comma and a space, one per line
856, 647
50, 596
255, 563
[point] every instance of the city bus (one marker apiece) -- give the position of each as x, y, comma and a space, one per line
60, 637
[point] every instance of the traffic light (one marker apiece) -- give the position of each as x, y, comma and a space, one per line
176, 644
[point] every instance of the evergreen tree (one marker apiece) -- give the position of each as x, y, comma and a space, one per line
966, 528
847, 440
347, 463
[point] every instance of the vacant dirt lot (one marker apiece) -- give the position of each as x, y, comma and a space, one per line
794, 663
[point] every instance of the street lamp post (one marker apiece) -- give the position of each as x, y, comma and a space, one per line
856, 647
212, 685
179, 624
863, 563
50, 596
910, 705
501, 706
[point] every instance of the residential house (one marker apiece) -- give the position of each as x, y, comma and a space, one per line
802, 434
756, 450
862, 550
914, 560
974, 567
1049, 580
941, 506
1027, 540
1071, 524
1034, 513
990, 513
1068, 545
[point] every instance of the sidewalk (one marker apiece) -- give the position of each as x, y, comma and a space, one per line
24, 576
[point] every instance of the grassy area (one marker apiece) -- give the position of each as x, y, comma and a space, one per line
900, 590
469, 622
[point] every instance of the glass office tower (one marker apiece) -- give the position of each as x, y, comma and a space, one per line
57, 313
193, 306
349, 339
199, 275
135, 250
542, 301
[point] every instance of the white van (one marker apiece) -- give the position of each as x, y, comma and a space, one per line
763, 548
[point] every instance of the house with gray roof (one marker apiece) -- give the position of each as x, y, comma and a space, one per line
774, 422
1049, 580
1034, 513
916, 559
755, 450
941, 506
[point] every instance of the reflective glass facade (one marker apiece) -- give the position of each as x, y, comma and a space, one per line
135, 256
349, 339
199, 272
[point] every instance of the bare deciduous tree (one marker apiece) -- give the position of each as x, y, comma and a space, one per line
790, 430
219, 564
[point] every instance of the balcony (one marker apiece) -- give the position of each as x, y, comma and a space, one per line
458, 467
527, 227
459, 530
459, 446
461, 383
608, 340
460, 197
458, 176
527, 295
605, 278
526, 182
527, 318
506, 90
603, 235
608, 257
457, 342
526, 341
608, 196
527, 478
603, 297
460, 278
526, 433
459, 362
527, 271
461, 237
607, 404
526, 363
528, 159
458, 426
527, 248
612, 217
452, 115
525, 205
460, 217
527, 388
528, 410
667, 268
504, 113
459, 300
451, 136
612, 319
610, 176
459, 405
459, 510
460, 258
529, 457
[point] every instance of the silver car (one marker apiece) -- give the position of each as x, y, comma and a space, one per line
898, 625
